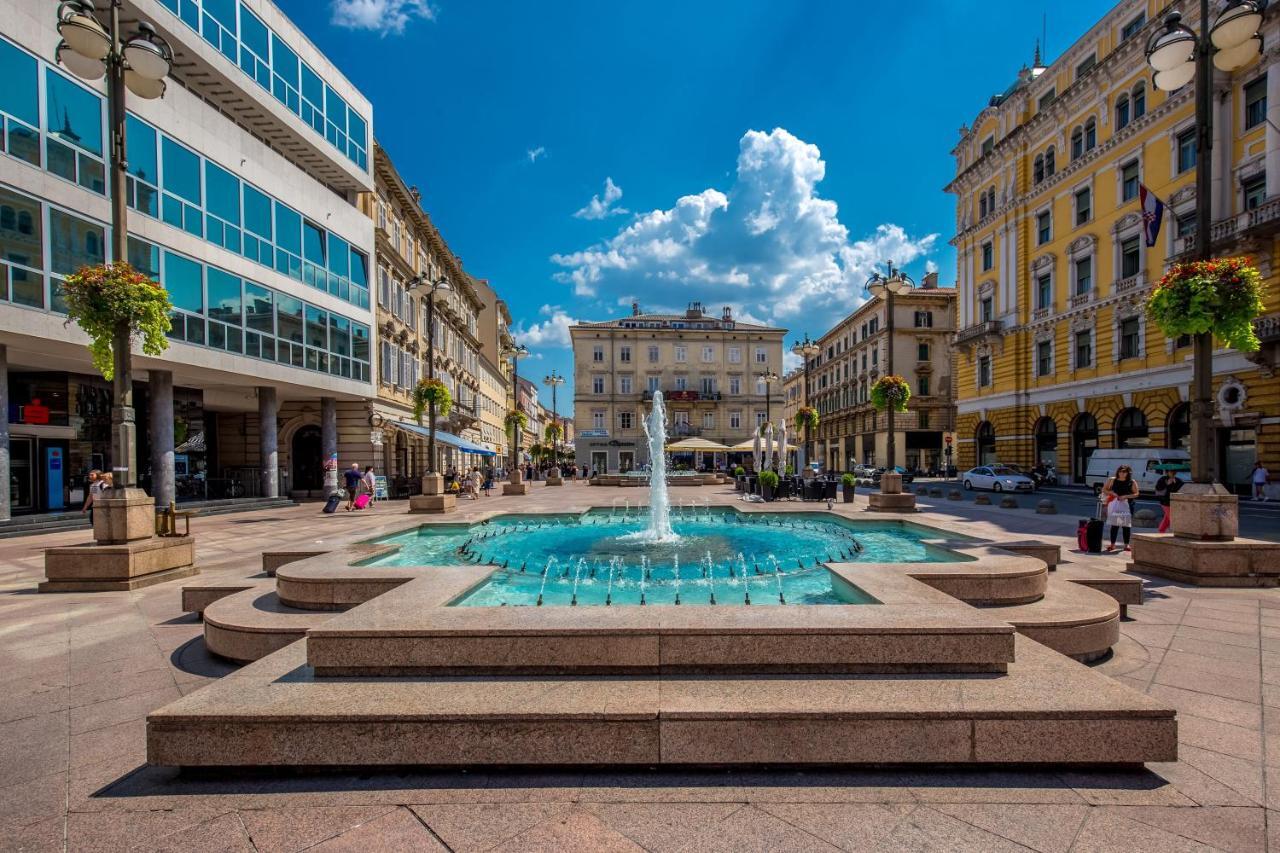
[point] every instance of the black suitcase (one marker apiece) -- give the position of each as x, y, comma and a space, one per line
331, 506
1093, 535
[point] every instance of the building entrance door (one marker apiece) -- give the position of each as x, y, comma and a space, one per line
308, 470
1084, 440
599, 462
626, 460
22, 474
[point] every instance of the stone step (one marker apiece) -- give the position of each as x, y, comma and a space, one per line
1125, 589
247, 625
1045, 710
1071, 619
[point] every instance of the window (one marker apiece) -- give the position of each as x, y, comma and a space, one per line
624, 354
1185, 224
735, 384
1050, 162
1044, 291
1132, 28
982, 206
655, 382
1084, 350
708, 355
987, 309
625, 420
1044, 227
922, 420
1090, 134
682, 353
922, 385
1044, 358
1186, 150
597, 354
987, 145
984, 371
597, 419
1255, 102
1129, 338
74, 119
735, 355
597, 384
1084, 276
1130, 257
1255, 191
708, 420
762, 357
760, 416
624, 384
1083, 206
1087, 65
1077, 142
922, 352
924, 319
708, 386
1139, 101
735, 419
1046, 99
1129, 181
1122, 111
1037, 172
653, 354
682, 383
988, 256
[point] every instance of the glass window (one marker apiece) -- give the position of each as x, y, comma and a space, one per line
1084, 349
1130, 257
253, 35
1083, 206
145, 258
360, 341
339, 335
359, 269
984, 371
257, 212
1129, 338
1084, 276
74, 115
1087, 65
258, 313
284, 64
1044, 358
140, 149
1044, 291
181, 170
224, 296
317, 328
1255, 102
1255, 191
339, 255
1129, 181
988, 256
19, 94
1186, 150
288, 229
1132, 28
289, 318
313, 240
1122, 112
1043, 227
1139, 100
73, 242
183, 279
223, 191
21, 232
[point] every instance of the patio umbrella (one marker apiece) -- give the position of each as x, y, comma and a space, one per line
755, 452
771, 447
782, 443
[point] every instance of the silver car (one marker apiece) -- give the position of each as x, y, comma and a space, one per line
997, 478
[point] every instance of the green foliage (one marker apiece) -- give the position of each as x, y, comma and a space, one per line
889, 391
1222, 296
769, 478
806, 416
789, 469
516, 421
429, 391
553, 432
848, 481
739, 471
101, 297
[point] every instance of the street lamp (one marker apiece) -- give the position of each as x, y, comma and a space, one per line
515, 353
554, 380
1178, 55
806, 349
768, 378
433, 287
90, 51
886, 287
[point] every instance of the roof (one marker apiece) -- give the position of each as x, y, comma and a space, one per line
707, 321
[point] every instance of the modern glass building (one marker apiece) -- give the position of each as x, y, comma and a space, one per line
243, 187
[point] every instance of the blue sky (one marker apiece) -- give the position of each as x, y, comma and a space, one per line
582, 154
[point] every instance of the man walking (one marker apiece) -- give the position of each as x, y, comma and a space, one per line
353, 478
1260, 475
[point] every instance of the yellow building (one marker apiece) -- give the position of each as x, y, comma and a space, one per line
1054, 354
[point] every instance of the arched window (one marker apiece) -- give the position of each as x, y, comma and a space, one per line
1047, 441
982, 206
26, 225
1139, 100
1177, 432
1038, 171
8, 218
1122, 111
1090, 134
1050, 164
986, 440
991, 199
1084, 440
1131, 429
1077, 142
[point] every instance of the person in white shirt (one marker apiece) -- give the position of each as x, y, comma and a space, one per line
1260, 475
370, 484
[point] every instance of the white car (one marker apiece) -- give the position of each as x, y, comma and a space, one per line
997, 478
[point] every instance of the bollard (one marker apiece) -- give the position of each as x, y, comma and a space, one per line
982, 500
1145, 518
935, 492
922, 490
1009, 503
1046, 507
955, 495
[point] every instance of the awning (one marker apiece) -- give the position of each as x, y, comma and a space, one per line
447, 438
749, 446
688, 445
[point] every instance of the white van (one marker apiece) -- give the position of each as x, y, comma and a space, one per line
1147, 464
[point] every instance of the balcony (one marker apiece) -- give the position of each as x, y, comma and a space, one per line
683, 431
1129, 283
1080, 299
972, 334
1263, 220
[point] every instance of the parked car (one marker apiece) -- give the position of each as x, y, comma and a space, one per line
997, 478
907, 476
1147, 464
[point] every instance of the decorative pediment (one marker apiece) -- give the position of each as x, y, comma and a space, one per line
987, 287
1186, 194
1044, 333
1249, 170
1045, 261
1129, 220
1083, 320
1082, 244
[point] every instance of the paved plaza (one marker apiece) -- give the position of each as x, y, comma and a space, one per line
82, 671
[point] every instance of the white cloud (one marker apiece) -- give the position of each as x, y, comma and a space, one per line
770, 246
601, 207
930, 266
387, 17
551, 332
790, 361
534, 153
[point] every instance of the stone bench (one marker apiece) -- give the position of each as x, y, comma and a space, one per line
196, 598
1071, 619
1125, 589
1047, 551
252, 623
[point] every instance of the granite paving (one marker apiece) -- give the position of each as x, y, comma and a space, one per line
79, 672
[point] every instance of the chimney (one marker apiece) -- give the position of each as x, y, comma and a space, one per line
415, 195
727, 316
635, 309
693, 311
930, 281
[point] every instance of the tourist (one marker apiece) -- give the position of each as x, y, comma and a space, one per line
488, 480
97, 485
353, 478
370, 484
1260, 475
477, 481
1165, 487
1119, 494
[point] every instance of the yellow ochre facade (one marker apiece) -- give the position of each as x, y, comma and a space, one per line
1054, 356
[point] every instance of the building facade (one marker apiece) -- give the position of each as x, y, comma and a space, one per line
1054, 355
410, 252
707, 368
855, 353
242, 194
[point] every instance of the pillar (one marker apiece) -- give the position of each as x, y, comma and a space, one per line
329, 443
5, 509
268, 449
161, 434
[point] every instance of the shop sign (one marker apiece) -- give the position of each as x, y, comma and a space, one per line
593, 433
35, 413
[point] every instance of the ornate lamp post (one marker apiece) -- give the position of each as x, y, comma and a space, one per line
515, 353
806, 349
554, 380
768, 378
140, 64
1178, 56
433, 287
886, 287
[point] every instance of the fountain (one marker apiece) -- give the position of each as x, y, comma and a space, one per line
655, 432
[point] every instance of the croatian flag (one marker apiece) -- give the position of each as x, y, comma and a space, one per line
1152, 214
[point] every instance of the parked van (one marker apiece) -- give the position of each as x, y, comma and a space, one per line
1147, 463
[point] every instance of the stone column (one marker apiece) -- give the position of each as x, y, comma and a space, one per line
5, 509
161, 433
268, 450
329, 443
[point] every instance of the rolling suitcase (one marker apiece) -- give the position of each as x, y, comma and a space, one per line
331, 505
363, 501
1093, 535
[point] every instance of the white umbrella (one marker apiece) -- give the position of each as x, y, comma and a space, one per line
782, 443
771, 447
755, 452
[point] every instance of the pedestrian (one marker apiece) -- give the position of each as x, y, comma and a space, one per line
1260, 475
370, 484
97, 485
1165, 487
353, 478
488, 480
1120, 493
477, 481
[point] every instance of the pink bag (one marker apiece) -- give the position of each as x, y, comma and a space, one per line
362, 501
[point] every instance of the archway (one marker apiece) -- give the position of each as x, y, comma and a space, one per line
985, 439
1046, 434
1177, 431
305, 453
1131, 429
1084, 440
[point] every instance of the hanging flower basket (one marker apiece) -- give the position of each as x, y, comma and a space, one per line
553, 433
890, 391
429, 391
516, 420
1222, 296
807, 417
100, 297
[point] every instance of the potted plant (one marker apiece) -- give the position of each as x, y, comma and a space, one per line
516, 422
848, 482
739, 478
768, 483
1222, 296
788, 469
431, 392
890, 391
100, 299
807, 416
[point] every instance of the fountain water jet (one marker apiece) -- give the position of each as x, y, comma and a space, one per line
655, 432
